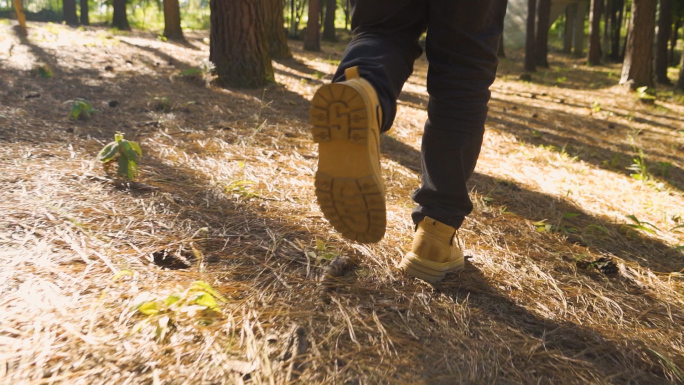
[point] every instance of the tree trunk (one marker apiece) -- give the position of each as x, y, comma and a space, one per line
595, 33
172, 20
85, 20
119, 18
69, 12
530, 56
673, 39
329, 24
616, 25
578, 36
238, 45
21, 18
275, 30
637, 69
680, 81
570, 12
312, 40
663, 38
605, 41
542, 38
347, 11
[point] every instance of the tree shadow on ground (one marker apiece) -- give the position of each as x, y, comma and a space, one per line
536, 206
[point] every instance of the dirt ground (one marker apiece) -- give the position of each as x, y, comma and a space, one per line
575, 267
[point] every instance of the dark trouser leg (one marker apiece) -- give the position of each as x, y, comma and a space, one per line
384, 47
462, 43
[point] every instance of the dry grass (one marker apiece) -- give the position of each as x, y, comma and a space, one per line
225, 193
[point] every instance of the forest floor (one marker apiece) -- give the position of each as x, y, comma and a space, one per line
211, 268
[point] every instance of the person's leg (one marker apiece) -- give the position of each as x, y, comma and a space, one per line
462, 43
384, 47
348, 115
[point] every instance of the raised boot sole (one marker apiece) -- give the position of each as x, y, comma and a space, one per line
349, 186
427, 270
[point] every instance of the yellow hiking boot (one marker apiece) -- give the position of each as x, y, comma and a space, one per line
435, 252
346, 120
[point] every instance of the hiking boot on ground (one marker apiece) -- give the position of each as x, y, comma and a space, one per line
435, 252
346, 120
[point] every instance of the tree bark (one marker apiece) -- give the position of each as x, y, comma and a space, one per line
238, 45
578, 29
662, 40
637, 69
119, 18
680, 81
616, 26
329, 24
172, 20
595, 33
542, 38
69, 12
275, 30
21, 18
85, 20
570, 12
673, 39
530, 55
312, 39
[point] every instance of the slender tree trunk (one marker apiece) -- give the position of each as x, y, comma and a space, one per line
570, 12
501, 52
329, 24
673, 39
238, 45
172, 20
275, 30
530, 54
119, 18
664, 30
69, 12
85, 20
680, 81
293, 15
347, 11
616, 25
605, 41
579, 36
542, 37
21, 18
595, 33
312, 40
637, 69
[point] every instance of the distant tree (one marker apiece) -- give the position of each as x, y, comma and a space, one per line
637, 69
542, 35
69, 12
680, 81
595, 33
238, 45
172, 20
119, 18
501, 52
329, 24
664, 31
615, 9
312, 39
21, 18
530, 41
275, 30
85, 20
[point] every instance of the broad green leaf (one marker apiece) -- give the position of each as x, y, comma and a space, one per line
205, 299
320, 245
201, 285
132, 169
128, 150
118, 137
149, 308
108, 152
172, 299
136, 148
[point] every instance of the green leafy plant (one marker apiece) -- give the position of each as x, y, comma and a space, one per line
81, 109
198, 304
125, 153
640, 225
646, 95
664, 169
596, 106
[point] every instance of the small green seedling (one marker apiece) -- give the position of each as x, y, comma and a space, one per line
125, 153
641, 225
81, 109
